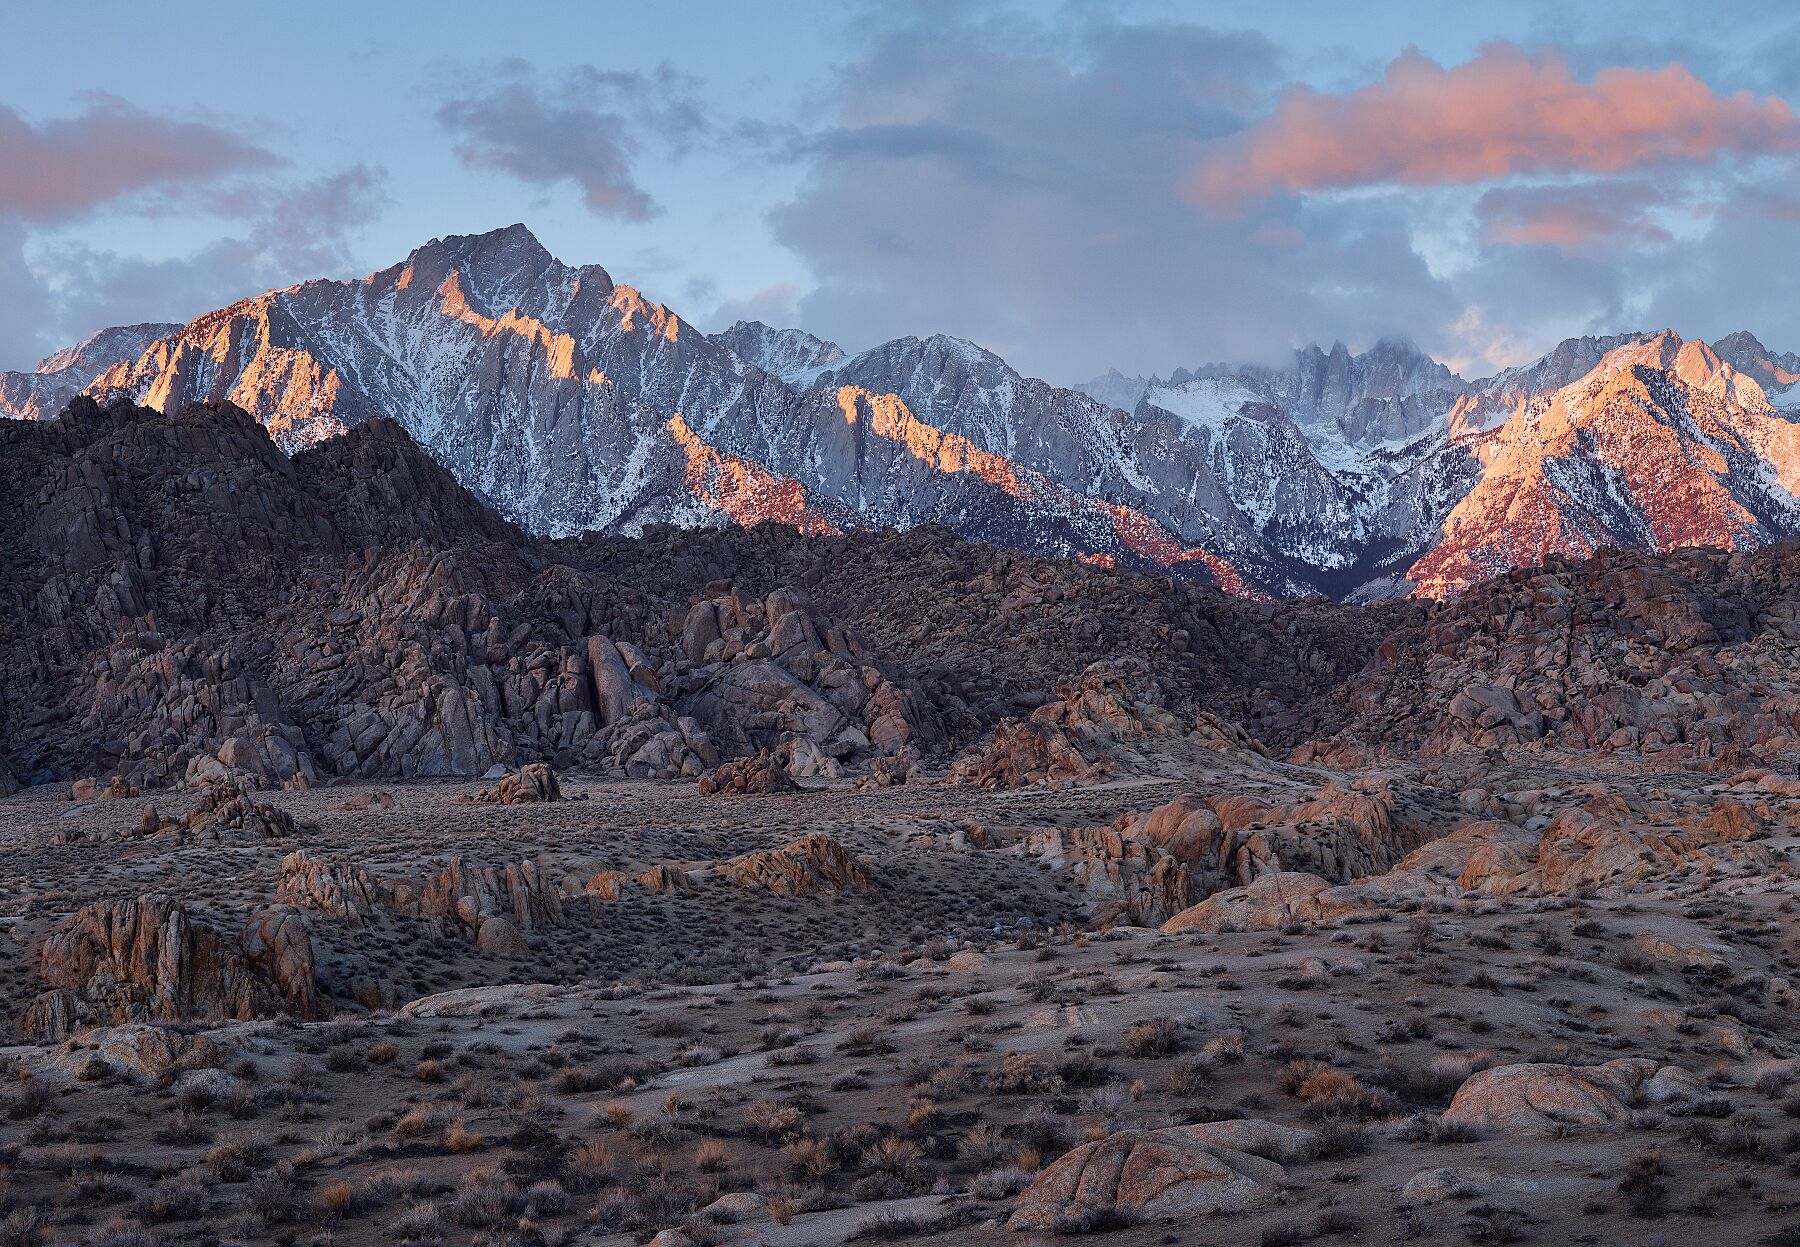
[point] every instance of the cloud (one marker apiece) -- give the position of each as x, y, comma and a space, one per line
1733, 277
997, 181
1505, 113
777, 305
112, 161
24, 302
60, 168
1585, 217
291, 233
55, 291
588, 129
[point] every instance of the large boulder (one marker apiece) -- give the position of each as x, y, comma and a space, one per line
1159, 1174
1545, 1099
615, 691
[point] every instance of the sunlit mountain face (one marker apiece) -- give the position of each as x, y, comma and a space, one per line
572, 403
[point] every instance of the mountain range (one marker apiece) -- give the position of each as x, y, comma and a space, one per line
573, 403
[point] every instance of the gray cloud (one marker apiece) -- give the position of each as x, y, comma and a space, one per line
24, 302
983, 179
283, 232
1734, 277
777, 305
587, 128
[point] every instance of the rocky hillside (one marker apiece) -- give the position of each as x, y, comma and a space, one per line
182, 599
1683, 659
572, 403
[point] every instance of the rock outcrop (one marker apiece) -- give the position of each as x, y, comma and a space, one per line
495, 906
1126, 880
1287, 898
759, 775
1177, 1173
146, 960
229, 813
1099, 724
813, 865
1341, 832
1599, 839
342, 892
1677, 656
532, 782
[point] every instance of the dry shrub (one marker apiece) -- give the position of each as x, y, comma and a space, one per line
338, 1199
807, 1160
1153, 1037
783, 1206
1021, 1073
770, 1122
461, 1140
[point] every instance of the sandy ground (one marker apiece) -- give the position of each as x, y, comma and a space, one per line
883, 1064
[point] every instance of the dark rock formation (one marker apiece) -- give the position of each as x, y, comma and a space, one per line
146, 960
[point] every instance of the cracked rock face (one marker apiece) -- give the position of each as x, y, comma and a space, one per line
1155, 1174
145, 960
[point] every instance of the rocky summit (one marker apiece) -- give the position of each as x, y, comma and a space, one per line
573, 403
384, 859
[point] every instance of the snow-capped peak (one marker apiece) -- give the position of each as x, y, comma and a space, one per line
794, 355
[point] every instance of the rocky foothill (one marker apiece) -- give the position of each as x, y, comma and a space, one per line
376, 869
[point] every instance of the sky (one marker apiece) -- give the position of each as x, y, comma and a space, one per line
1140, 184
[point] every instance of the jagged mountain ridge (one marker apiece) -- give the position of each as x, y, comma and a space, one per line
572, 403
59, 377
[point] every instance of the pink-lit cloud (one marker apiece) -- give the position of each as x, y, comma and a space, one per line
67, 165
1502, 114
1584, 217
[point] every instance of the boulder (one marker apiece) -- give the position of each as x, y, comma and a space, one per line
1174, 1173
761, 775
156, 1053
1545, 1099
531, 783
465, 1002
1430, 1186
615, 692
366, 802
